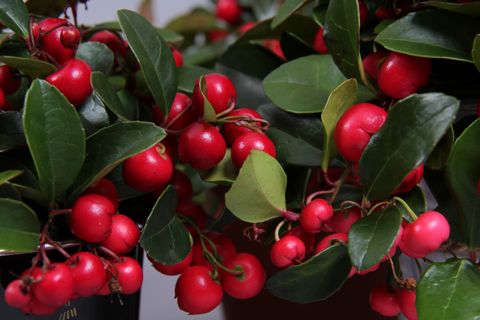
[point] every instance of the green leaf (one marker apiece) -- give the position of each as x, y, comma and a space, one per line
11, 131
93, 115
371, 237
432, 34
170, 36
164, 237
438, 158
224, 172
209, 114
319, 13
105, 92
19, 228
449, 291
468, 8
342, 35
187, 75
314, 280
154, 56
109, 146
416, 201
55, 137
32, 67
198, 20
303, 85
476, 51
413, 128
258, 193
263, 9
288, 8
98, 56
14, 14
463, 172
342, 98
8, 175
294, 47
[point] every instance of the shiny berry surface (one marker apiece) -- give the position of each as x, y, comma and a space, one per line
314, 214
219, 90
173, 269
250, 282
244, 144
124, 235
53, 286
287, 251
240, 123
88, 273
91, 219
384, 302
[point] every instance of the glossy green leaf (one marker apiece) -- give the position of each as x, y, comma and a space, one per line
8, 175
55, 137
416, 200
32, 67
93, 115
187, 75
109, 146
154, 56
164, 237
293, 47
463, 172
432, 33
98, 56
209, 113
438, 158
11, 131
258, 193
19, 228
342, 98
105, 92
288, 8
468, 8
314, 280
14, 14
371, 237
413, 128
476, 51
449, 291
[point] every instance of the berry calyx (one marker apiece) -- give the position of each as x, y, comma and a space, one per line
9, 80
173, 269
383, 301
229, 11
244, 144
407, 301
124, 235
233, 130
17, 295
249, 282
106, 188
355, 128
319, 42
287, 251
410, 181
219, 91
53, 285
331, 240
88, 273
180, 115
314, 214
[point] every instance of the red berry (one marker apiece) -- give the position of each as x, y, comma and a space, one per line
177, 56
197, 292
128, 276
287, 251
342, 221
106, 188
275, 47
406, 299
319, 42
355, 128
383, 301
70, 37
173, 269
9, 80
53, 285
3, 100
149, 170
182, 184
111, 40
366, 271
401, 75
217, 35
245, 27
36, 308
73, 80
372, 63
17, 295
243, 146
124, 236
88, 273
250, 282
363, 12
224, 246
229, 11
180, 115
193, 211
331, 240
314, 214
219, 90
384, 13
91, 219
411, 180
308, 239
233, 130
201, 146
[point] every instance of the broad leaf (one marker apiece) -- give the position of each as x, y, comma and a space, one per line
476, 51
198, 20
105, 92
288, 8
412, 130
93, 115
258, 193
371, 237
438, 159
19, 228
209, 113
293, 47
55, 137
98, 56
463, 172
8, 175
224, 172
314, 280
11, 131
187, 75
468, 8
449, 291
14, 14
432, 33
164, 237
109, 146
154, 56
33, 67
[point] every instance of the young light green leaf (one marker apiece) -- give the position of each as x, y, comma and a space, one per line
33, 67
14, 14
223, 173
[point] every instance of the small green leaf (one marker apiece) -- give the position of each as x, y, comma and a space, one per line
468, 8
19, 228
209, 114
14, 14
187, 75
105, 92
8, 175
258, 193
164, 237
154, 56
413, 128
288, 8
371, 237
449, 291
463, 172
224, 172
55, 137
476, 51
314, 280
97, 55
93, 114
32, 67
11, 131
342, 98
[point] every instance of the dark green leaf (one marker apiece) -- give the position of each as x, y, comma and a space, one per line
33, 67
432, 33
293, 47
110, 146
14, 14
476, 51
412, 130
55, 137
371, 237
288, 8
319, 13
468, 8
187, 75
165, 238
416, 201
47, 8
154, 56
258, 193
198, 20
170, 36
93, 115
97, 55
298, 178
438, 159
463, 172
8, 175
314, 280
11, 131
19, 227
105, 92
9, 191
449, 291
204, 54
130, 103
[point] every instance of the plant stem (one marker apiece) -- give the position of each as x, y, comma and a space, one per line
277, 229
318, 193
338, 184
289, 215
407, 207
